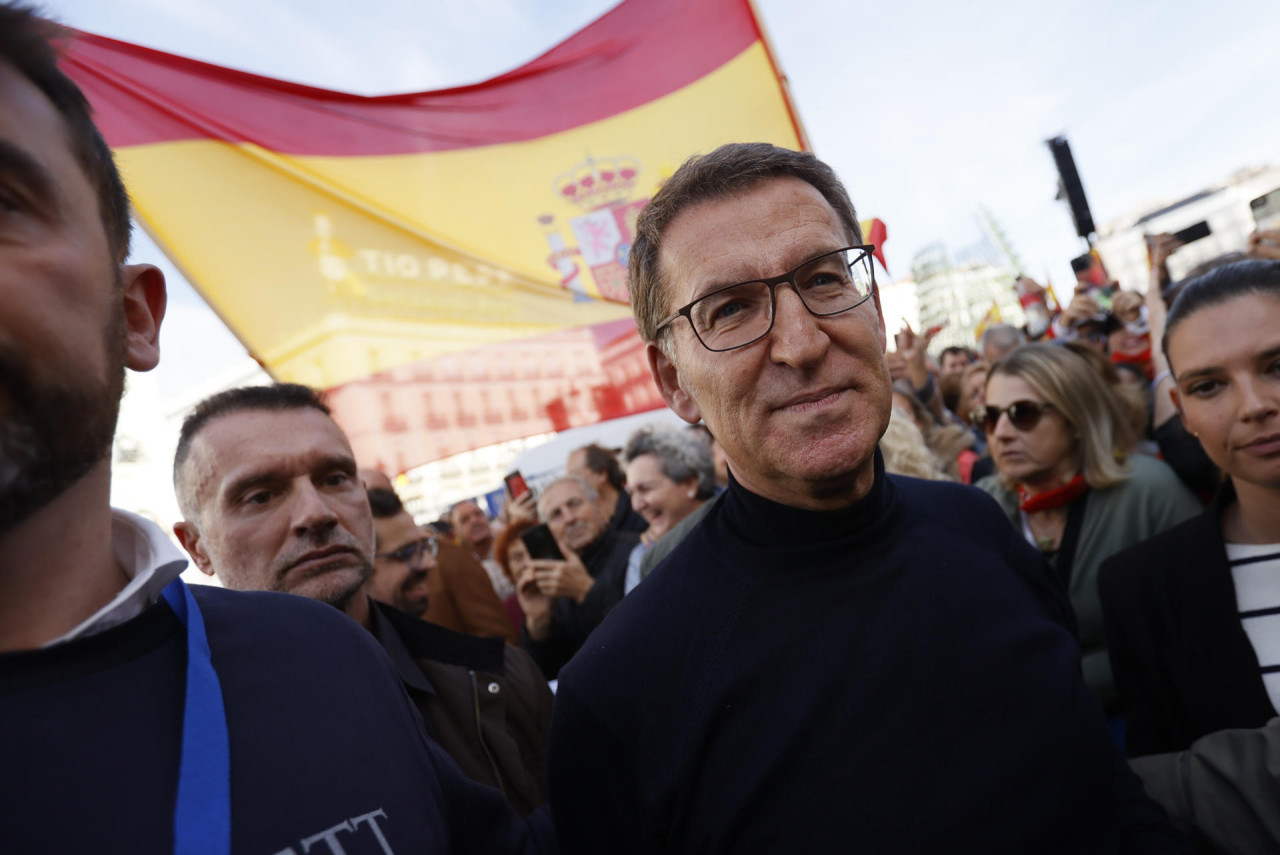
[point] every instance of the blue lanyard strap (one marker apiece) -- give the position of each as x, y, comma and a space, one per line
202, 817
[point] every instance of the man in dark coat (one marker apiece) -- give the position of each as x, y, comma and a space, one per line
483, 701
564, 600
832, 660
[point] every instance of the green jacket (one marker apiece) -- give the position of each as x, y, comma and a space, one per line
1150, 501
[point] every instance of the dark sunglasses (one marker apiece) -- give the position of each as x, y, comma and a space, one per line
1023, 415
412, 554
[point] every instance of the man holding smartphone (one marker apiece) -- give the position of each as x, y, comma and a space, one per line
564, 600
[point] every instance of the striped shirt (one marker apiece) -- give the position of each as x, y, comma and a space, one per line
1255, 569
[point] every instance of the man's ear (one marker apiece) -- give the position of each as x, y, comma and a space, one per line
145, 299
189, 536
667, 377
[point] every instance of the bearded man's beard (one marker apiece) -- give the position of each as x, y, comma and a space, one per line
54, 429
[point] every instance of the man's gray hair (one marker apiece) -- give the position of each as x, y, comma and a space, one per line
587, 489
681, 455
729, 171
1003, 337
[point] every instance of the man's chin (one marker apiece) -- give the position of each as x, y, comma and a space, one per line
53, 431
416, 606
337, 587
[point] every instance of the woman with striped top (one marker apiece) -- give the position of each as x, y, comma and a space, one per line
1192, 615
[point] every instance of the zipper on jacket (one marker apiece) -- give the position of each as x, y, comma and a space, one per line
475, 701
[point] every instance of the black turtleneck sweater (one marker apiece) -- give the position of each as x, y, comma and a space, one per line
898, 677
606, 560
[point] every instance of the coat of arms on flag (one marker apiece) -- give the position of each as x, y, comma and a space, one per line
605, 190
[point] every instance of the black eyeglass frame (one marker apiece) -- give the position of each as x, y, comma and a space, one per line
410, 553
865, 254
984, 417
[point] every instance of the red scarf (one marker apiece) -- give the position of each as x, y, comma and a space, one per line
1141, 360
1056, 498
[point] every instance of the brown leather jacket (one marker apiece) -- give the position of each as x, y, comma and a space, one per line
460, 596
485, 702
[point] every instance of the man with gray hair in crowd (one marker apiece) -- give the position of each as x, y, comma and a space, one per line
565, 599
833, 659
1000, 340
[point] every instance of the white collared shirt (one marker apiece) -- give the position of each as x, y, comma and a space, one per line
151, 562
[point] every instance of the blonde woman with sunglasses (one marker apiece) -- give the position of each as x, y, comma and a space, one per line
1066, 478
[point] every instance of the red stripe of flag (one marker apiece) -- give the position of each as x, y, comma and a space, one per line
639, 51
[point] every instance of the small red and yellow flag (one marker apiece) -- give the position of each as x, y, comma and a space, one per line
992, 316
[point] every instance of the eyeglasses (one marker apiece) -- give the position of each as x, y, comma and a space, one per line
1023, 415
413, 554
737, 315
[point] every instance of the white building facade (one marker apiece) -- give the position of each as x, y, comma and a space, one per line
1224, 206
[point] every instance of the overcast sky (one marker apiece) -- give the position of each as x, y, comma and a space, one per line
928, 110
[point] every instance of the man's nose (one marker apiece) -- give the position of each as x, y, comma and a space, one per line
797, 338
311, 512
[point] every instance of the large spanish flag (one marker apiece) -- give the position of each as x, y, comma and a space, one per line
450, 264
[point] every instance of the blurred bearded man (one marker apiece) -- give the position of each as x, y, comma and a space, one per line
173, 719
832, 659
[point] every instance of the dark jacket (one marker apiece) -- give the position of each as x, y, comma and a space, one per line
625, 517
1183, 665
895, 677
606, 560
484, 701
323, 740
1224, 791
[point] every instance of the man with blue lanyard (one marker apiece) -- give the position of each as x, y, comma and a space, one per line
211, 722
271, 501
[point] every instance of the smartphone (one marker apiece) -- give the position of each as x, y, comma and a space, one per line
1090, 270
1266, 211
516, 485
1194, 233
541, 544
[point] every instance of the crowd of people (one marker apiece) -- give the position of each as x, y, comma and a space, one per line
1025, 599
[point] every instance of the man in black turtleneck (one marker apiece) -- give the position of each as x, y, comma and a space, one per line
833, 660
564, 601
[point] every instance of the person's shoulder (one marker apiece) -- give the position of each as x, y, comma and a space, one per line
952, 505
268, 607
1152, 493
1145, 567
623, 540
426, 640
1154, 474
281, 630
453, 560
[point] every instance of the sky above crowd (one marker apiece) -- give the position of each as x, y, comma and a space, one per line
927, 110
